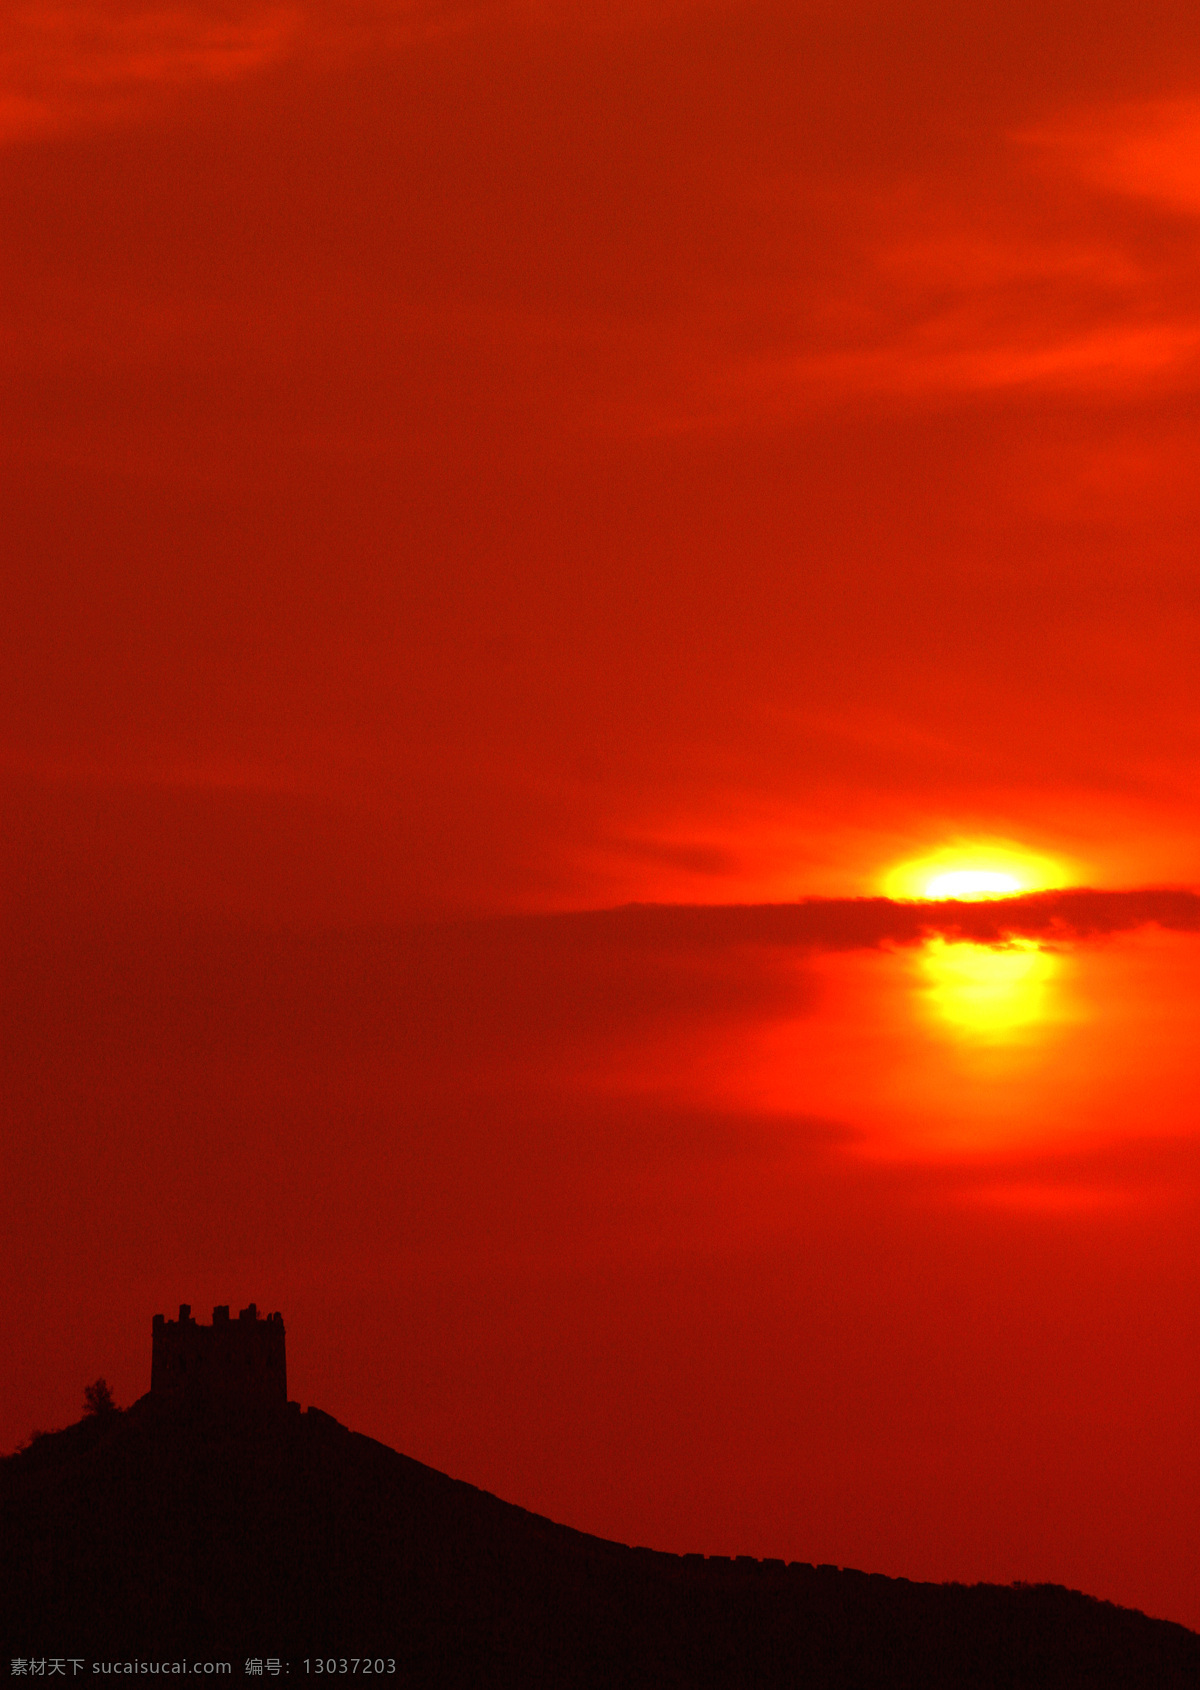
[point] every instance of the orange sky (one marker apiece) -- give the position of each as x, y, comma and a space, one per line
469, 463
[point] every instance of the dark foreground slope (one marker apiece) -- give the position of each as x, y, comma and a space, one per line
144, 1536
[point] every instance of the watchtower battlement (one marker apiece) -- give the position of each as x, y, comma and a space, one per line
238, 1363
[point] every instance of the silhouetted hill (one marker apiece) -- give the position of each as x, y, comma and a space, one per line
149, 1533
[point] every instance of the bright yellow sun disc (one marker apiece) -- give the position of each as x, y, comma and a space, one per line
990, 992
970, 869
972, 883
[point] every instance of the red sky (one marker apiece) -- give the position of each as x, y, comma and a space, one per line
466, 464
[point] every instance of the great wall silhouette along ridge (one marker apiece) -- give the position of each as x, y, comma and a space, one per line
214, 1516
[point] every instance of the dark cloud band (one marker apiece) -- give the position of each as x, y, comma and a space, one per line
850, 924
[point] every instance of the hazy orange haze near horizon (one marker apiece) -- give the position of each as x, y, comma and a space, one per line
472, 467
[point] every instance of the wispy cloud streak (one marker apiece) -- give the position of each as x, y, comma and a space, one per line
66, 64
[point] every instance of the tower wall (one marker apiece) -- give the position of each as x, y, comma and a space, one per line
235, 1363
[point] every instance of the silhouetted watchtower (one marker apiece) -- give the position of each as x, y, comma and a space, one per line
231, 1364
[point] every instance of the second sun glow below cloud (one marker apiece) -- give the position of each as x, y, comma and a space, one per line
987, 991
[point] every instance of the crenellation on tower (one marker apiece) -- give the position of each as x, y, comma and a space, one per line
230, 1364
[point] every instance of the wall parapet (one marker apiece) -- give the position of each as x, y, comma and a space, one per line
236, 1363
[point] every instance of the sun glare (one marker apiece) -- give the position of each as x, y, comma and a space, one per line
973, 883
989, 992
973, 869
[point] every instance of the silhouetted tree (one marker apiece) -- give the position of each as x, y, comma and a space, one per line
98, 1399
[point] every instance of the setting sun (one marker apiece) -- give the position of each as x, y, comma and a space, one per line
970, 870
981, 991
973, 883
